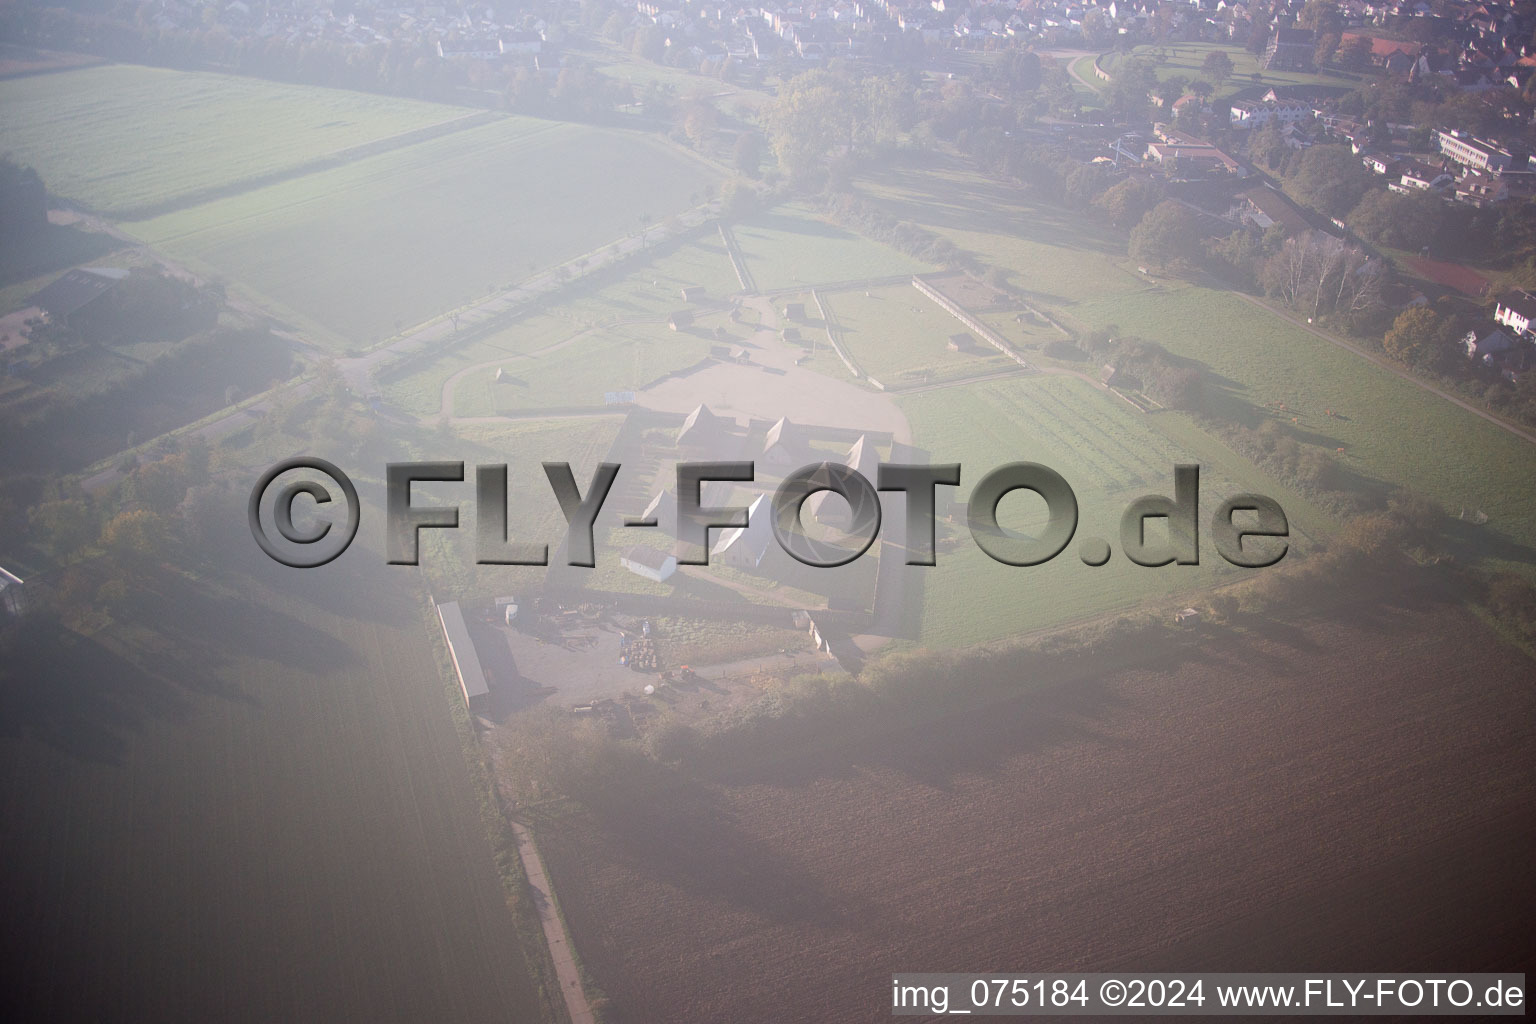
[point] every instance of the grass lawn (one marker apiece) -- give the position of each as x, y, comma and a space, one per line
1110, 454
119, 137
358, 251
899, 336
791, 248
633, 299
1186, 59
619, 358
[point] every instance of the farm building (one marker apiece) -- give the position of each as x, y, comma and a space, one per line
745, 547
680, 321
793, 336
702, 429
835, 511
466, 663
76, 295
794, 311
663, 509
962, 342
649, 563
784, 448
692, 292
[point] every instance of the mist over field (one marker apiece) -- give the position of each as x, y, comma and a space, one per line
403, 611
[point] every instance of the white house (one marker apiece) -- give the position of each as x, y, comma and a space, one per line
1516, 311
649, 563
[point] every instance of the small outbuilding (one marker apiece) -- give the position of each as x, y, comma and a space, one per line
649, 563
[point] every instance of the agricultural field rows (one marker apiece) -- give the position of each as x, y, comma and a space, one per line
1109, 453
1312, 796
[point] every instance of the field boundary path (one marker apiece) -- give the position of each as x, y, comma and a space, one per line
560, 949
738, 263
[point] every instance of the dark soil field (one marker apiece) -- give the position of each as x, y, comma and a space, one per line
247, 801
1345, 795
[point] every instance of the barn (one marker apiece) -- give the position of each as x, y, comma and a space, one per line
466, 663
783, 447
745, 547
702, 429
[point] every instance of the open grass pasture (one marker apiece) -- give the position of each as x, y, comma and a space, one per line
1111, 455
1391, 431
359, 251
630, 302
899, 337
1187, 60
622, 357
1388, 428
791, 248
120, 137
246, 800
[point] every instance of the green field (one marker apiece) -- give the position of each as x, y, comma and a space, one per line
1388, 427
791, 248
356, 252
618, 358
1390, 430
1186, 59
899, 337
1110, 454
121, 137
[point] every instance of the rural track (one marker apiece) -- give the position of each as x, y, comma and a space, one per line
1392, 368
560, 949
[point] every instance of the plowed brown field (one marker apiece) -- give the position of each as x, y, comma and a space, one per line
1350, 795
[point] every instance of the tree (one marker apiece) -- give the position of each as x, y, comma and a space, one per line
1127, 201
1217, 65
136, 536
1168, 236
1322, 53
810, 120
748, 153
1258, 37
1330, 180
1404, 222
1414, 336
1355, 55
67, 525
